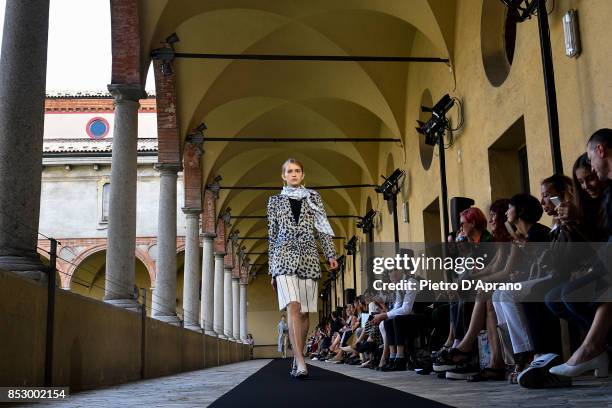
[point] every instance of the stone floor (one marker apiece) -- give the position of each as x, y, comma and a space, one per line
201, 388
192, 389
585, 392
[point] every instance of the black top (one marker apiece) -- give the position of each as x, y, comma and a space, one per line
538, 233
607, 212
296, 207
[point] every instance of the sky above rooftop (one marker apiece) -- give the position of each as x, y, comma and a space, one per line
79, 55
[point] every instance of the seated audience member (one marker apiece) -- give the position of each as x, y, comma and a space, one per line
588, 197
592, 355
483, 311
524, 212
530, 324
352, 323
554, 267
335, 322
396, 324
324, 340
459, 364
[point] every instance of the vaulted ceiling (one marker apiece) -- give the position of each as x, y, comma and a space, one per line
238, 98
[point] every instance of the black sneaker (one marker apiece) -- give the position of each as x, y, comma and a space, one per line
463, 372
538, 376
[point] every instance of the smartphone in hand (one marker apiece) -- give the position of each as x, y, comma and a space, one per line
556, 201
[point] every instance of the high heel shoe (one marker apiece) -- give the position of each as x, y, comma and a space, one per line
301, 374
599, 364
293, 371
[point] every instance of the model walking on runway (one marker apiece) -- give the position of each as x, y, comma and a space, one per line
296, 218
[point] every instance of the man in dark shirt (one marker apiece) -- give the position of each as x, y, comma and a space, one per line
599, 150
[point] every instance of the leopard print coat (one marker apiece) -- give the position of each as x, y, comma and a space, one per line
291, 247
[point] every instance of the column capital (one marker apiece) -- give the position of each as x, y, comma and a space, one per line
219, 254
244, 283
191, 211
126, 92
236, 279
168, 168
208, 236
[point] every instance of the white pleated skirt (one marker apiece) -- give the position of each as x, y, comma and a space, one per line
290, 288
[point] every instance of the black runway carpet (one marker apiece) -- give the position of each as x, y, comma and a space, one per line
271, 387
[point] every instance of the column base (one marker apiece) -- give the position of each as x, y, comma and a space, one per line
24, 266
210, 333
221, 336
193, 327
170, 319
129, 304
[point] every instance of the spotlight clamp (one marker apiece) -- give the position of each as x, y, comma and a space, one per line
166, 54
521, 9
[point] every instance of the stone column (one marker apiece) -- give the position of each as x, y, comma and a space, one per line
23, 70
207, 305
218, 295
191, 279
243, 311
236, 309
164, 294
120, 255
227, 302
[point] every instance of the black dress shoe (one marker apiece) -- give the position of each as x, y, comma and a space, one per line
399, 364
390, 366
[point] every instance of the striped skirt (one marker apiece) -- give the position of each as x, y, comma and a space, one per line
290, 288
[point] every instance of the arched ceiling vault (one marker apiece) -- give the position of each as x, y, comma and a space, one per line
379, 88
159, 18
279, 118
293, 99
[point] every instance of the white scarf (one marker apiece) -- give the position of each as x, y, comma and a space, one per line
301, 192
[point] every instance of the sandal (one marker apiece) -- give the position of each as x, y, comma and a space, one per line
451, 359
365, 364
489, 374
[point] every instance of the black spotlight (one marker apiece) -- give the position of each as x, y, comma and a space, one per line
201, 127
521, 10
172, 39
351, 245
390, 186
435, 127
366, 223
166, 54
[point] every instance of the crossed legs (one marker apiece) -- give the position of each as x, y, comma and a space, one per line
595, 341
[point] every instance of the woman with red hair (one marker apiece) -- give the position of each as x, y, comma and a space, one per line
474, 226
459, 362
